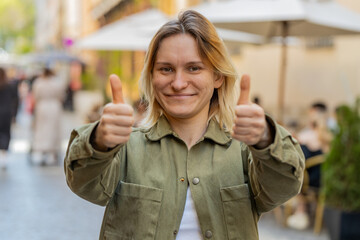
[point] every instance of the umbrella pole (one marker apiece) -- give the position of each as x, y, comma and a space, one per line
281, 95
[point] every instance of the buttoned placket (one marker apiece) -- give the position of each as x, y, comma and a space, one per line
195, 180
182, 179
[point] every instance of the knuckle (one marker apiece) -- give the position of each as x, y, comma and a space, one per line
105, 119
108, 108
257, 124
128, 131
127, 109
130, 109
259, 112
105, 131
132, 120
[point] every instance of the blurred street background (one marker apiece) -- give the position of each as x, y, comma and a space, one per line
302, 56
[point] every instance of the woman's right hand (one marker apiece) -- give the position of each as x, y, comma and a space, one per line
116, 120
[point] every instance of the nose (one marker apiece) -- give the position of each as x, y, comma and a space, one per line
179, 82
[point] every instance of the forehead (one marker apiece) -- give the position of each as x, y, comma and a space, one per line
179, 47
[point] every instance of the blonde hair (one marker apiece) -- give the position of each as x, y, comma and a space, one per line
212, 49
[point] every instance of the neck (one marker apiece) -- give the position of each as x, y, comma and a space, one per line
189, 130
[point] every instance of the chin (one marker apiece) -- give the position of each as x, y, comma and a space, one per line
179, 114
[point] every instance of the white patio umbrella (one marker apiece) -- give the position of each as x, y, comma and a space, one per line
136, 31
130, 33
271, 18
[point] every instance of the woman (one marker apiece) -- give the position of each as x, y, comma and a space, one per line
48, 94
182, 175
8, 96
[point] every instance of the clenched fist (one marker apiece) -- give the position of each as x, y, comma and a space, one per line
250, 125
116, 121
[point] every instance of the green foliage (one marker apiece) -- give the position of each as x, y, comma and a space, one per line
340, 172
17, 24
114, 63
90, 81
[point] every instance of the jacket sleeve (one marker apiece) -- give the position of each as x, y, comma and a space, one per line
91, 174
276, 172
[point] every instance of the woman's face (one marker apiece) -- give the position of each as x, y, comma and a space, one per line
183, 82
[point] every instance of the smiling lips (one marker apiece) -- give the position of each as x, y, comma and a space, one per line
179, 96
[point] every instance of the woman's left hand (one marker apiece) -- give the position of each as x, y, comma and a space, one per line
250, 125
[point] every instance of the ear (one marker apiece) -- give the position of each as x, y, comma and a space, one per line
218, 80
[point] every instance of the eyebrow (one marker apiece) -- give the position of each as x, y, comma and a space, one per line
188, 63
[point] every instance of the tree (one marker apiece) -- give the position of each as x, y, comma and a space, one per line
17, 24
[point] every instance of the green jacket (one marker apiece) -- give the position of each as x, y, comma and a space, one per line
143, 183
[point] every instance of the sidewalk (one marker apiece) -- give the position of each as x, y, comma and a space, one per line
269, 229
36, 203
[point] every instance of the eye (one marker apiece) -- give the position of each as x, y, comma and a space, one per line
194, 68
166, 69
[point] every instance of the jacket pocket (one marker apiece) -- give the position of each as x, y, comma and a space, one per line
133, 213
239, 216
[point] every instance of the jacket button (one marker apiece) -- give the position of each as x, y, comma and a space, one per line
182, 179
195, 181
175, 232
208, 234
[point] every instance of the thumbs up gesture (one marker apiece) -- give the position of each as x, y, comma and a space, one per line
250, 125
116, 121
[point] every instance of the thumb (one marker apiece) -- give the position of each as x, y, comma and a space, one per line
116, 89
244, 97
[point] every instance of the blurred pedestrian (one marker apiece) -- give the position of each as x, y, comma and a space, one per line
48, 94
8, 98
15, 78
316, 135
315, 140
27, 93
74, 85
183, 174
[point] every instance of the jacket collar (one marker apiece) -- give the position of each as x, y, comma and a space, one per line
162, 128
216, 134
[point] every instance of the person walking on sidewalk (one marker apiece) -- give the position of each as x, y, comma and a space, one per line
201, 166
8, 97
48, 93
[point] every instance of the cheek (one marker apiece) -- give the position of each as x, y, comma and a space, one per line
211, 93
157, 87
209, 86
158, 82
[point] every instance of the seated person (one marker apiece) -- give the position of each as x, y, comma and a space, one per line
314, 140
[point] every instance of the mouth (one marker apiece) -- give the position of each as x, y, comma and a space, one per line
179, 96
